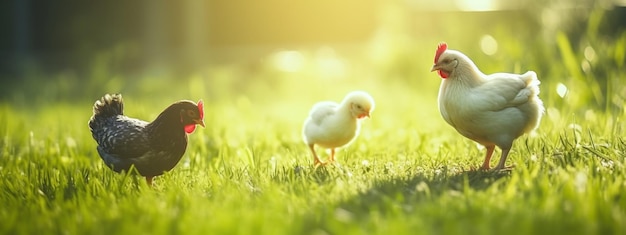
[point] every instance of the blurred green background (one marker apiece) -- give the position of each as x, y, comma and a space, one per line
271, 51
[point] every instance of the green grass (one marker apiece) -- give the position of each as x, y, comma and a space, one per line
248, 172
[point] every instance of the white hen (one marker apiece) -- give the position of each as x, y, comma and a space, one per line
492, 110
331, 125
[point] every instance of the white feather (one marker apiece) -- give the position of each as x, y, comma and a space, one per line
332, 125
489, 109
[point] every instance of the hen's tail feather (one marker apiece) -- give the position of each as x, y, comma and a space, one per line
109, 105
532, 82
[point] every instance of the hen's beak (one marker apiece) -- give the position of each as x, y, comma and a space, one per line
435, 67
199, 122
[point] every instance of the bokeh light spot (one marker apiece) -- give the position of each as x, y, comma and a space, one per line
590, 54
586, 66
329, 64
289, 61
488, 44
561, 90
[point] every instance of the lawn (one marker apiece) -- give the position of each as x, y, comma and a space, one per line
248, 171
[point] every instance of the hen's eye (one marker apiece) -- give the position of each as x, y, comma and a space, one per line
191, 113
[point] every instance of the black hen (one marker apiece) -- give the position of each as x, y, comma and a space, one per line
152, 147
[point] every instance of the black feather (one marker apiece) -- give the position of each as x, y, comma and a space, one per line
152, 148
109, 105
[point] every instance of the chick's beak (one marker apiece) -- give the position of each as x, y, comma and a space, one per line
435, 67
366, 114
199, 122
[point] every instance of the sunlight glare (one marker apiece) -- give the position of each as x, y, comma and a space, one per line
476, 5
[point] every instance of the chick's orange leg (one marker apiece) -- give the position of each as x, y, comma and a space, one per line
332, 156
488, 157
505, 153
316, 159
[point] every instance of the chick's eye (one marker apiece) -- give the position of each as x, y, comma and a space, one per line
358, 106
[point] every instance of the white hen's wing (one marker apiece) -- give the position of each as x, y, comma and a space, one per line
314, 126
321, 111
504, 90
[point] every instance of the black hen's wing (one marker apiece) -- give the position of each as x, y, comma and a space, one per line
124, 142
120, 140
122, 136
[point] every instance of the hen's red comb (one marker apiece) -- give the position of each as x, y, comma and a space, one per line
440, 49
201, 108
